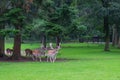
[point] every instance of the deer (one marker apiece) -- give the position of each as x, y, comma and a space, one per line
38, 54
35, 54
9, 51
51, 54
28, 52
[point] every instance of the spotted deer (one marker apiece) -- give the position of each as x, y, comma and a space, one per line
51, 55
38, 54
35, 54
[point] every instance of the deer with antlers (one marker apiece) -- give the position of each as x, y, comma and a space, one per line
51, 54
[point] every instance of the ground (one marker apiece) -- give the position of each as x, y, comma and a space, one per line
29, 59
74, 62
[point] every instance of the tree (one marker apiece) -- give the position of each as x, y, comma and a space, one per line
55, 30
16, 19
15, 16
39, 28
2, 43
4, 6
114, 20
105, 4
101, 13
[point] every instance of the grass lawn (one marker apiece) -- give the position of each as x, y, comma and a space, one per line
87, 62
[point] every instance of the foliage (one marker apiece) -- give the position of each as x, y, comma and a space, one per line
71, 19
15, 15
53, 29
6, 32
3, 19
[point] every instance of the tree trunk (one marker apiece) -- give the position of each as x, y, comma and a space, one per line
2, 46
2, 43
44, 41
105, 4
57, 41
17, 45
115, 36
119, 43
107, 36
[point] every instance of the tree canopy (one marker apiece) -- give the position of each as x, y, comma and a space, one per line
65, 20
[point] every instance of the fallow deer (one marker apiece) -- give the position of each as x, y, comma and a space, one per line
35, 54
9, 51
51, 55
28, 52
38, 54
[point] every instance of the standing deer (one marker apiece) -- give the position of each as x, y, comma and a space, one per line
28, 52
52, 52
51, 55
35, 54
38, 54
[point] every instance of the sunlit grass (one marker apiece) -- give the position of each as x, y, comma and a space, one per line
87, 62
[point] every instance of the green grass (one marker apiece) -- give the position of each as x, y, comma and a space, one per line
89, 62
24, 46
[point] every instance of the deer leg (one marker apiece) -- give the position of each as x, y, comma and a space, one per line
47, 58
54, 58
36, 58
33, 58
50, 59
40, 59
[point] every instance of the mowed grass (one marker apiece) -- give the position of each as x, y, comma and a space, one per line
84, 62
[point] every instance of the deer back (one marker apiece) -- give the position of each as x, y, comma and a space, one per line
38, 52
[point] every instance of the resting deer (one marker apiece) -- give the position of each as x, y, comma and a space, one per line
9, 51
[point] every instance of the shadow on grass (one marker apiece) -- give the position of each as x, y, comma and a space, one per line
28, 59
